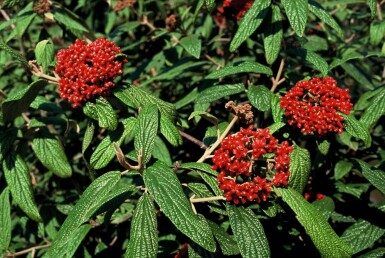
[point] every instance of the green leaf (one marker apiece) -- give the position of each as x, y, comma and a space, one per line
309, 57
375, 110
296, 12
244, 67
105, 151
376, 253
14, 54
375, 177
260, 97
364, 79
324, 16
276, 109
143, 231
102, 112
377, 30
161, 151
76, 238
273, 35
325, 206
218, 92
323, 236
276, 126
356, 129
248, 232
50, 152
250, 22
67, 19
212, 182
44, 52
7, 138
89, 202
323, 147
88, 135
146, 131
11, 3
199, 166
361, 235
192, 44
373, 7
19, 182
19, 102
210, 4
300, 165
5, 220
226, 242
166, 189
209, 117
170, 131
355, 189
341, 169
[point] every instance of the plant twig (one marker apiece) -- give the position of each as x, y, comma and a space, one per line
122, 160
144, 21
379, 13
206, 199
38, 71
213, 61
193, 140
277, 80
32, 249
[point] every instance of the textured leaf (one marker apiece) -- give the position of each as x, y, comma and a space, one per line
250, 22
65, 18
50, 152
323, 147
300, 166
210, 4
202, 191
359, 75
105, 151
5, 220
212, 182
143, 231
165, 187
209, 117
14, 54
296, 12
44, 52
377, 30
199, 166
88, 135
341, 169
309, 57
260, 97
161, 152
276, 126
376, 253
19, 182
192, 44
325, 206
248, 232
146, 131
323, 236
226, 242
324, 16
102, 112
19, 102
375, 177
276, 109
7, 138
218, 92
76, 238
361, 235
373, 7
83, 210
355, 189
356, 129
170, 131
273, 35
11, 3
375, 110
244, 67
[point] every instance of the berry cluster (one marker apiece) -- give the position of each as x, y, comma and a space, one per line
88, 71
245, 172
313, 106
241, 6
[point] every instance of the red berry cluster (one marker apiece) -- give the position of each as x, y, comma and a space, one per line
88, 71
245, 172
241, 6
312, 106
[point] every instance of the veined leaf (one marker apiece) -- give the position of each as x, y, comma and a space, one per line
375, 110
88, 135
65, 17
359, 75
143, 232
146, 131
5, 220
210, 4
375, 177
300, 166
102, 112
166, 189
273, 35
219, 91
323, 236
260, 97
44, 52
83, 210
341, 169
376, 253
276, 126
192, 44
19, 102
323, 147
209, 117
11, 3
76, 238
250, 22
276, 109
19, 182
15, 55
226, 242
356, 129
50, 152
200, 166
317, 61
248, 232
296, 12
244, 67
7, 138
161, 152
373, 7
170, 131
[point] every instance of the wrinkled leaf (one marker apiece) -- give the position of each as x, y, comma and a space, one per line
300, 165
219, 91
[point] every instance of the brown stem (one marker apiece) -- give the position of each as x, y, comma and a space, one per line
38, 71
122, 160
379, 13
277, 80
208, 199
145, 22
213, 61
193, 140
32, 249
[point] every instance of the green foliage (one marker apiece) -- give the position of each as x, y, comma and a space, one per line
300, 165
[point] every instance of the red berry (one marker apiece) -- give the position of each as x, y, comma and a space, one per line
240, 6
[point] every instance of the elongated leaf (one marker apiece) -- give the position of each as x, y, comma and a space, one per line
361, 235
323, 236
11, 3
143, 232
273, 35
66, 18
14, 54
375, 177
19, 102
250, 22
103, 112
199, 166
373, 7
244, 67
260, 97
300, 166
248, 232
105, 151
210, 4
296, 12
192, 44
50, 152
375, 110
83, 210
170, 131
323, 147
324, 16
209, 117
19, 182
166, 189
360, 76
146, 131
276, 126
69, 249
377, 30
342, 168
7, 138
376, 253
276, 109
88, 135
218, 92
226, 242
309, 57
161, 152
5, 220
44, 52
356, 129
